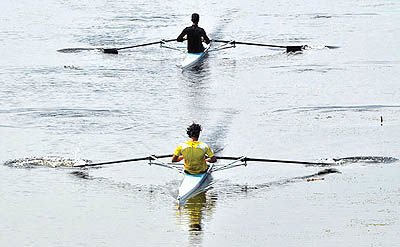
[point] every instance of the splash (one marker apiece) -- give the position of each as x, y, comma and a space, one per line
366, 159
49, 161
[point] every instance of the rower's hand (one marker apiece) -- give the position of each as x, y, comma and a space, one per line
211, 160
176, 158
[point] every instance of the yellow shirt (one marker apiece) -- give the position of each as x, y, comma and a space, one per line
194, 153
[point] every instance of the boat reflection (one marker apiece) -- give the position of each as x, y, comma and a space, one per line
196, 209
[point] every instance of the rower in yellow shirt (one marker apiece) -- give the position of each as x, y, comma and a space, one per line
195, 153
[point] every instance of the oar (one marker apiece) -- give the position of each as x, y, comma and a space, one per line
292, 48
289, 48
113, 50
275, 161
124, 161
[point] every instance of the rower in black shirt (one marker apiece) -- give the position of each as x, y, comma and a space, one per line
194, 35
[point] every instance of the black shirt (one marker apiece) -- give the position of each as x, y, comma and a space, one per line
194, 34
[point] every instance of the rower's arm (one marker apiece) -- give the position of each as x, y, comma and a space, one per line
205, 37
181, 36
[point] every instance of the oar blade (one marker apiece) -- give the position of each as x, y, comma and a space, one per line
294, 48
332, 47
110, 50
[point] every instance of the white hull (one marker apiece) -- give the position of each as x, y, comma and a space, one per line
192, 59
191, 184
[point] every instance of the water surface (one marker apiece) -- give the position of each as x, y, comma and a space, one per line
314, 106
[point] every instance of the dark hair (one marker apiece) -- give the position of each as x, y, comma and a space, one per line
194, 130
195, 18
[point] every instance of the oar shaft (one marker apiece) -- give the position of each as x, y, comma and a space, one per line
146, 44
247, 43
287, 161
273, 161
124, 161
115, 50
289, 48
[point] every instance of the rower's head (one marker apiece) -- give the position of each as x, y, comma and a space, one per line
195, 18
194, 130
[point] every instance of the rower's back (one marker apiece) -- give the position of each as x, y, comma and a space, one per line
195, 36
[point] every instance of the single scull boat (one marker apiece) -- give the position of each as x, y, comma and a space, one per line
193, 59
193, 184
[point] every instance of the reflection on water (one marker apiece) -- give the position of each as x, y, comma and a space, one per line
194, 213
194, 208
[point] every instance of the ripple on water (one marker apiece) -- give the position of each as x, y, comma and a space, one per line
338, 108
